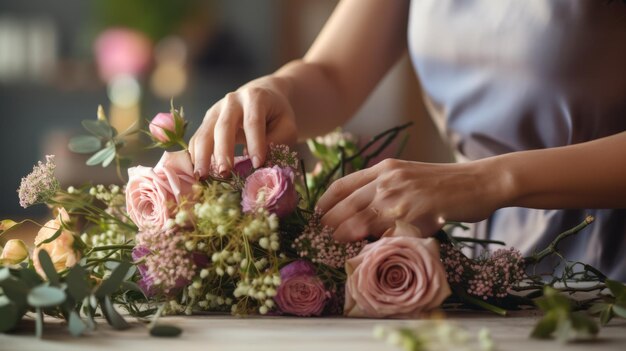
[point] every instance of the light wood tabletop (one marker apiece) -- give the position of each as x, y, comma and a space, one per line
226, 333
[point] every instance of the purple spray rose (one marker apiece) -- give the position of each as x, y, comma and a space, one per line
301, 292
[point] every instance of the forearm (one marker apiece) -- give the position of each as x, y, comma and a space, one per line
586, 175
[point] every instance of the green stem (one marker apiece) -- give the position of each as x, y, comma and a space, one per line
478, 241
480, 303
552, 248
112, 247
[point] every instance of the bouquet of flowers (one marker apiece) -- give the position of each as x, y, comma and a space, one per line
168, 242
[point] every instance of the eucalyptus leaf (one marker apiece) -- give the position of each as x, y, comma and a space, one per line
9, 315
98, 128
48, 267
30, 277
107, 161
85, 144
619, 310
110, 285
76, 325
45, 296
16, 290
101, 156
111, 315
165, 331
584, 326
5, 273
52, 238
131, 286
77, 285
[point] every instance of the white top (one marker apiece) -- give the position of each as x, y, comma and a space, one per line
509, 75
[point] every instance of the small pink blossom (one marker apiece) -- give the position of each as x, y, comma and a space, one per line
162, 122
271, 189
301, 292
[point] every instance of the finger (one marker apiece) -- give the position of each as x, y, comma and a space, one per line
203, 143
361, 225
254, 130
226, 127
343, 187
191, 149
348, 207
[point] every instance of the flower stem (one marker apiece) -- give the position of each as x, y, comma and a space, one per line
552, 248
112, 247
480, 303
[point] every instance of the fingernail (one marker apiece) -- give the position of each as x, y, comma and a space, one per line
256, 162
222, 170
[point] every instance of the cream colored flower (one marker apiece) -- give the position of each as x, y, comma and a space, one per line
61, 249
14, 252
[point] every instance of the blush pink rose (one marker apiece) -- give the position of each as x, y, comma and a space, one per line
61, 249
153, 194
270, 188
160, 123
398, 276
301, 292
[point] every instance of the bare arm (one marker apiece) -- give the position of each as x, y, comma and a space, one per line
586, 175
358, 45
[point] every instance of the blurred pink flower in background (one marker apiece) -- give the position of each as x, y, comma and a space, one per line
122, 51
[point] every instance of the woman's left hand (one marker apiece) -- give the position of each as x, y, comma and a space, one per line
368, 202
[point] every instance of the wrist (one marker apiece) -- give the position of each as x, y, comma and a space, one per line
498, 180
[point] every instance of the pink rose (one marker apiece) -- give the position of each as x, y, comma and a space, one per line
271, 189
160, 123
61, 249
152, 194
301, 292
400, 276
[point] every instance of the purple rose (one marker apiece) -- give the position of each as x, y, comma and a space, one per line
271, 189
243, 166
146, 283
301, 292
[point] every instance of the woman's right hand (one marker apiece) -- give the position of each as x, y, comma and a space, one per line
255, 115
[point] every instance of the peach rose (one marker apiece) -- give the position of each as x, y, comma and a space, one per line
398, 276
152, 194
61, 249
14, 252
270, 188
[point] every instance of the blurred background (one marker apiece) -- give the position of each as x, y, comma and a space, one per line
60, 59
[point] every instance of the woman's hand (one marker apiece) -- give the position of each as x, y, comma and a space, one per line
255, 115
370, 201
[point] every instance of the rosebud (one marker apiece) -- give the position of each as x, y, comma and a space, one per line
168, 128
14, 252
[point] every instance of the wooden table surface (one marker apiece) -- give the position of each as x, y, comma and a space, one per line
225, 333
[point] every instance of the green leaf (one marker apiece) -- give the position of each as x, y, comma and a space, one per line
30, 277
52, 238
48, 267
16, 290
5, 273
77, 285
85, 144
9, 315
596, 308
131, 286
111, 284
111, 315
46, 296
545, 327
165, 331
102, 156
606, 315
98, 128
76, 325
617, 289
619, 310
584, 326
